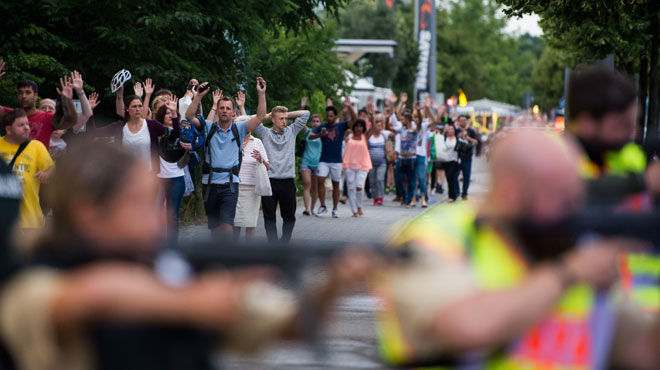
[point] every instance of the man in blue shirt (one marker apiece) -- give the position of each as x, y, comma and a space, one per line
222, 155
332, 138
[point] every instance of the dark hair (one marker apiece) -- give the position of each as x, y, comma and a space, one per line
11, 116
160, 114
127, 103
598, 91
464, 116
90, 171
330, 108
228, 98
28, 83
360, 122
362, 110
162, 92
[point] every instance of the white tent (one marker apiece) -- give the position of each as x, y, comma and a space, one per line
486, 106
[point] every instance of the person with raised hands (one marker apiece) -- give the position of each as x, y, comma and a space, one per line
223, 155
43, 123
138, 133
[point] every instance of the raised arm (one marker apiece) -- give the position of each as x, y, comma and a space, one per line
217, 95
192, 108
429, 112
119, 102
255, 121
301, 118
240, 102
402, 104
69, 115
87, 113
348, 108
148, 90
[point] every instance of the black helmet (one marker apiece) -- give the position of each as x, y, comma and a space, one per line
169, 149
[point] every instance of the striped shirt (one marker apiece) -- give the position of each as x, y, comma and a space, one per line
377, 148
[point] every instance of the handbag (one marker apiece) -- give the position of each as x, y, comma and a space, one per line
262, 187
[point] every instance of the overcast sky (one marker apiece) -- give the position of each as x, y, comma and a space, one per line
526, 24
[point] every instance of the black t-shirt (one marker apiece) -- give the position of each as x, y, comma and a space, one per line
471, 133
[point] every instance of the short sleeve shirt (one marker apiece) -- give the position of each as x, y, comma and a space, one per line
332, 144
33, 159
41, 126
224, 151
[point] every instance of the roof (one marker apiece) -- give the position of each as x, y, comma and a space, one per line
351, 50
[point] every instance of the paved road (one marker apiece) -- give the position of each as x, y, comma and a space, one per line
349, 338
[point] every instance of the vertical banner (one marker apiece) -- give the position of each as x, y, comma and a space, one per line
425, 82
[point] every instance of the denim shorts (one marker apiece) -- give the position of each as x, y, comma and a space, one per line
221, 205
304, 167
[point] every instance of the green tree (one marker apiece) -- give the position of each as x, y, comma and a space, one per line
369, 20
547, 79
476, 55
169, 41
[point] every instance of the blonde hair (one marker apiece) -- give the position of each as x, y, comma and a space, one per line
157, 101
279, 109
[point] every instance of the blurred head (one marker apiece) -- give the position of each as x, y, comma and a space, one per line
407, 118
359, 127
157, 103
379, 123
278, 116
164, 115
105, 196
462, 121
166, 94
57, 134
27, 92
133, 107
534, 178
363, 115
16, 126
47, 105
331, 114
225, 110
315, 121
450, 131
601, 108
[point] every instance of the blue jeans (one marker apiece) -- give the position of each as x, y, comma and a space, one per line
174, 188
407, 168
466, 170
420, 173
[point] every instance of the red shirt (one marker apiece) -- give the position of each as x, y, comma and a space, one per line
41, 126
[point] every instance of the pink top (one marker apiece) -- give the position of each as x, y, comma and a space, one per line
356, 154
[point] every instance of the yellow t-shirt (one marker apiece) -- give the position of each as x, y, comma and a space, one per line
33, 159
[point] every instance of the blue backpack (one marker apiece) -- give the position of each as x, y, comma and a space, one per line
189, 134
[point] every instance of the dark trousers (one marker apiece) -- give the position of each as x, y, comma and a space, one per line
174, 189
451, 171
398, 180
284, 194
407, 168
466, 169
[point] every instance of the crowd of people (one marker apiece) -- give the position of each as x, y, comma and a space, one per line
505, 283
411, 147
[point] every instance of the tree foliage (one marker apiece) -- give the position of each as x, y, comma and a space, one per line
476, 55
227, 43
374, 20
547, 80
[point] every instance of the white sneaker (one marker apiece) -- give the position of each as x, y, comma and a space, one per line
335, 213
322, 210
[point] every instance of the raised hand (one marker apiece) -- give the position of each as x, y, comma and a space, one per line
67, 89
138, 90
93, 100
261, 85
393, 98
328, 102
148, 86
172, 105
303, 102
77, 81
240, 98
203, 87
217, 95
2, 66
404, 97
417, 105
427, 102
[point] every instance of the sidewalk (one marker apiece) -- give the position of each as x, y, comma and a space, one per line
374, 226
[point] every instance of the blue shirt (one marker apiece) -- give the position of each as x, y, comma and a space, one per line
331, 149
312, 153
224, 151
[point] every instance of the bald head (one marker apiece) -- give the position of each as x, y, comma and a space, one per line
534, 175
47, 105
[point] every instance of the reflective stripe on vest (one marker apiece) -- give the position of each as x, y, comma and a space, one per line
563, 340
629, 159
